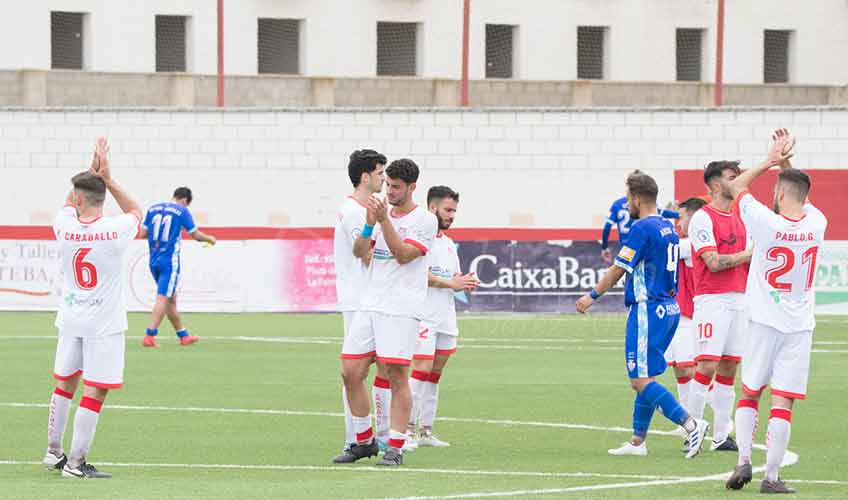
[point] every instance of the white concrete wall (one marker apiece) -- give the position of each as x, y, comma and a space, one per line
340, 35
514, 168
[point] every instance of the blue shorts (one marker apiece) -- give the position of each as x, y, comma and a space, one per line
166, 274
650, 328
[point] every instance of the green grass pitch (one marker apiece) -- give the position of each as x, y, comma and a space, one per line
183, 427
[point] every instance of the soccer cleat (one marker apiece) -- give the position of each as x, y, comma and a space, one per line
83, 471
52, 462
741, 476
775, 487
189, 339
392, 458
430, 439
410, 444
382, 445
727, 445
357, 451
149, 341
685, 447
629, 449
696, 437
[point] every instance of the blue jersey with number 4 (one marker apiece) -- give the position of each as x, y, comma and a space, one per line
650, 259
164, 223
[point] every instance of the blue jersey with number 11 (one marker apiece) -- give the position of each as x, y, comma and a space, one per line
164, 223
650, 258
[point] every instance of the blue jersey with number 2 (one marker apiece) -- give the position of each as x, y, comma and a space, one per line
164, 223
650, 258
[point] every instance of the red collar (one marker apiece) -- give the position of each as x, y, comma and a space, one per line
719, 212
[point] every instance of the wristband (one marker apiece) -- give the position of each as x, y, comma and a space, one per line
366, 232
594, 294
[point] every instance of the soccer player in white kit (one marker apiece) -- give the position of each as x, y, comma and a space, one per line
681, 353
365, 170
438, 331
92, 315
390, 309
780, 291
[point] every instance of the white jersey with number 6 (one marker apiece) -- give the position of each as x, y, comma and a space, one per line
783, 266
93, 299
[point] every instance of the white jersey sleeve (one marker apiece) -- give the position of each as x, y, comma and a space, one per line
686, 251
422, 233
757, 217
701, 233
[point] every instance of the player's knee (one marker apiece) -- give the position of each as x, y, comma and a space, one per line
707, 368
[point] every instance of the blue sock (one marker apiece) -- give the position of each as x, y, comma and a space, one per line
643, 411
152, 332
659, 397
182, 333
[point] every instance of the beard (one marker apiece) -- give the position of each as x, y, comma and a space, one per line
634, 212
444, 225
775, 206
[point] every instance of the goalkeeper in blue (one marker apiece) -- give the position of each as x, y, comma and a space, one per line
650, 260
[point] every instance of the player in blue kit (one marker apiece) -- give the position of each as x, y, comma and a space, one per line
163, 226
650, 260
620, 217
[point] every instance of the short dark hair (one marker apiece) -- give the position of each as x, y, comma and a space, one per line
403, 169
799, 182
363, 161
716, 169
692, 205
440, 193
91, 186
642, 185
183, 193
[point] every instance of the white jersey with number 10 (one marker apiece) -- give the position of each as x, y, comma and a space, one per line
780, 281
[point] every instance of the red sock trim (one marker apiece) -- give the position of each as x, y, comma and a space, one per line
60, 392
396, 443
748, 403
435, 377
382, 383
365, 436
721, 379
91, 404
421, 375
781, 413
702, 379
683, 380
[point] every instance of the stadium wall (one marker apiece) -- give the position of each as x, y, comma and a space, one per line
527, 168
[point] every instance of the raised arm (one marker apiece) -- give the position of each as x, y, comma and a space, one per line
362, 245
778, 155
100, 167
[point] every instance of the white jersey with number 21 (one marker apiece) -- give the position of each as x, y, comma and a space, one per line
783, 266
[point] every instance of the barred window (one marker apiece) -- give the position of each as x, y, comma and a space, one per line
591, 52
66, 42
689, 54
397, 47
278, 43
171, 43
500, 50
776, 56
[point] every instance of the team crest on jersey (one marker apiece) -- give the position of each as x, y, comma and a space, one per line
631, 365
660, 311
704, 236
627, 253
356, 233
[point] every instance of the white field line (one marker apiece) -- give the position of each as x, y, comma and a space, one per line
466, 343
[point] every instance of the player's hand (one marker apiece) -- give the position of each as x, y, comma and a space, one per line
584, 303
380, 208
212, 240
100, 160
467, 282
370, 216
606, 255
781, 147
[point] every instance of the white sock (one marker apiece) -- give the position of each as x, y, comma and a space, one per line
60, 407
363, 432
747, 418
85, 425
722, 407
396, 439
350, 432
777, 439
683, 385
431, 400
698, 395
382, 394
417, 384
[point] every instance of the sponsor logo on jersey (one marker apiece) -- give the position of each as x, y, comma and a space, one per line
627, 253
672, 309
383, 254
730, 240
660, 311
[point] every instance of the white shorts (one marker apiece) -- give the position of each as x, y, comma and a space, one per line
100, 359
390, 338
431, 343
347, 320
681, 351
779, 359
721, 322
